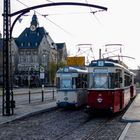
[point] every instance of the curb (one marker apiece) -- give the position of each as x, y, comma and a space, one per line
129, 120
123, 134
29, 114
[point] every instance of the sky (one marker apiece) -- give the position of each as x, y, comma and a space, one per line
75, 25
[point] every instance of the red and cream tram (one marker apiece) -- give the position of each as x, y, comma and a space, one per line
71, 86
111, 85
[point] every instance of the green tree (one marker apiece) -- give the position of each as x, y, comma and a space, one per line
53, 67
52, 72
61, 65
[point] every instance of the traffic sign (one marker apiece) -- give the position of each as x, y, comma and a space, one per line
42, 75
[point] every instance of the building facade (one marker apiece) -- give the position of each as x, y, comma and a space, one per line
32, 52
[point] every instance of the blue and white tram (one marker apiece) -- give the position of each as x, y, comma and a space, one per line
71, 86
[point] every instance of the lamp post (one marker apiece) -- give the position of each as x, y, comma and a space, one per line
44, 65
29, 84
42, 76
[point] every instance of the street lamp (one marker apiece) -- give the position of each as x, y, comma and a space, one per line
29, 83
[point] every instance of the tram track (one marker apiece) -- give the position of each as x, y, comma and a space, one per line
93, 127
102, 126
66, 124
71, 129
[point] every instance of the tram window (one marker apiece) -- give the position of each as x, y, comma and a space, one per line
66, 84
84, 81
78, 82
117, 80
81, 81
127, 81
100, 80
114, 80
73, 83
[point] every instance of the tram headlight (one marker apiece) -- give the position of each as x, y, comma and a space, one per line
111, 108
87, 106
99, 100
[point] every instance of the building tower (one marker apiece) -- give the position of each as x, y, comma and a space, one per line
34, 23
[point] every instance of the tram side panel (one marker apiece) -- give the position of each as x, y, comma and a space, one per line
71, 98
66, 98
82, 97
133, 91
105, 100
133, 86
117, 100
124, 98
111, 100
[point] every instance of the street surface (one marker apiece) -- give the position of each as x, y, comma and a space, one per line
64, 125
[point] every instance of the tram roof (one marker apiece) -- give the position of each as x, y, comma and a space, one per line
69, 69
109, 63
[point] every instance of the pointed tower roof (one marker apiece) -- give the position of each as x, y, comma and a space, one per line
34, 20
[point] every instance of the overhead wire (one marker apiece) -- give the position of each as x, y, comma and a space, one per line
94, 12
46, 18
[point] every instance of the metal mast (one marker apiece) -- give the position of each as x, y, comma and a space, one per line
7, 88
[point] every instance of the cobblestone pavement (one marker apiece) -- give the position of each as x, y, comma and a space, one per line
63, 125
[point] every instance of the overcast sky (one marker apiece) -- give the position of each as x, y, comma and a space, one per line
76, 25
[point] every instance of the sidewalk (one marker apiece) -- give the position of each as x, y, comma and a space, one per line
30, 109
33, 90
132, 117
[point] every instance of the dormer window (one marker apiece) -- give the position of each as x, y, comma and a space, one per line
26, 34
36, 44
29, 44
22, 44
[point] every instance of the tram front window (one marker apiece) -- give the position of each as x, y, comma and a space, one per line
100, 81
66, 84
